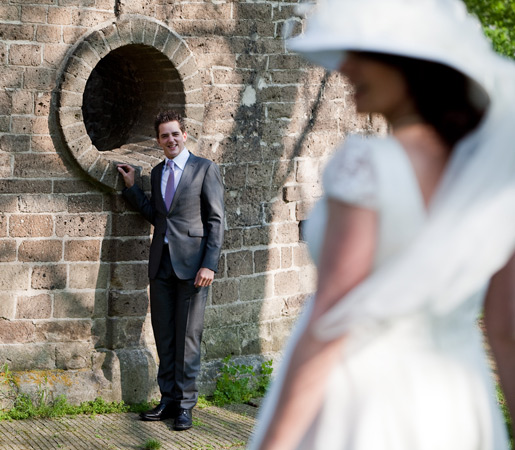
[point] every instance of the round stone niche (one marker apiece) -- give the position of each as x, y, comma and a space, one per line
114, 82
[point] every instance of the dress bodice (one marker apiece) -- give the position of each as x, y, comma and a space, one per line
376, 173
372, 173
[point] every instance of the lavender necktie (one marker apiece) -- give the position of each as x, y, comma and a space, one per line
170, 186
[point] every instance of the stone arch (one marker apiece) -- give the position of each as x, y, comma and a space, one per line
114, 81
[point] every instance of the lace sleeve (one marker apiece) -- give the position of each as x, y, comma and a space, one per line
350, 176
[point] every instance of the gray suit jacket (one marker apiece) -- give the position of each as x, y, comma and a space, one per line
195, 221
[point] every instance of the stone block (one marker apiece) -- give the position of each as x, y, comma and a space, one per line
138, 372
48, 33
41, 144
232, 239
301, 256
59, 16
6, 102
249, 338
24, 356
3, 223
74, 305
308, 279
7, 306
73, 330
13, 143
239, 263
81, 225
123, 304
43, 203
17, 332
26, 225
34, 307
286, 283
292, 306
232, 314
82, 250
39, 78
125, 332
50, 250
277, 211
49, 277
78, 68
128, 277
303, 209
286, 233
5, 165
88, 276
220, 342
286, 257
254, 11
91, 18
12, 12
255, 236
32, 14
53, 54
225, 291
25, 186
73, 356
14, 277
259, 175
267, 260
11, 77
7, 250
119, 250
280, 332
22, 102
85, 203
255, 288
129, 225
16, 32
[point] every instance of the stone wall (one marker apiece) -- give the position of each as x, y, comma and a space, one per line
73, 275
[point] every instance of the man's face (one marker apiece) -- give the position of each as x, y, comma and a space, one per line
171, 139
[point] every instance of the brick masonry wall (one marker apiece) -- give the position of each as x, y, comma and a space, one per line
73, 275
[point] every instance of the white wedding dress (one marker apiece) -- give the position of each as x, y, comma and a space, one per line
421, 380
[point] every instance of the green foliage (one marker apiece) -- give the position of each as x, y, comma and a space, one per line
238, 383
152, 444
203, 402
498, 20
506, 413
18, 406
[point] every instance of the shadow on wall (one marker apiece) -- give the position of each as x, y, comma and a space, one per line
253, 109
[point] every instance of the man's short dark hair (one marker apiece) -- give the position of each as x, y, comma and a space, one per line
169, 116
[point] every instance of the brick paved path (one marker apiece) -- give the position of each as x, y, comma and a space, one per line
214, 428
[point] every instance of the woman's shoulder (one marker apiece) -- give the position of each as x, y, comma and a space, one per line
350, 174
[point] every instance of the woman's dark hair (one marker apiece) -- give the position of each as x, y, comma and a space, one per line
441, 94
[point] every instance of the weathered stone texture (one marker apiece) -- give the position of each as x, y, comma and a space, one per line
73, 253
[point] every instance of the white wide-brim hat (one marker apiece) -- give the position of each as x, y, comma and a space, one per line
441, 31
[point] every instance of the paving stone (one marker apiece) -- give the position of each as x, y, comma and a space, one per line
214, 428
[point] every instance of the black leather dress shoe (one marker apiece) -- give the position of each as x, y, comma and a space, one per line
160, 412
183, 421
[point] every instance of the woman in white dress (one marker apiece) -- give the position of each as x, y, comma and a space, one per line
388, 355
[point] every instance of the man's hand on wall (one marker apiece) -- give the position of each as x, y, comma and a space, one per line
128, 174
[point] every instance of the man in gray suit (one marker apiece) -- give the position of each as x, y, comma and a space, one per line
187, 211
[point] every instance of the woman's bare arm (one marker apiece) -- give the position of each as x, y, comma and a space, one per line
500, 329
346, 259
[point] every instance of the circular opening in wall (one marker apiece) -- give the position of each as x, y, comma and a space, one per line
125, 91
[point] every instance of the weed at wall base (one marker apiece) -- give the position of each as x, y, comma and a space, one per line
238, 383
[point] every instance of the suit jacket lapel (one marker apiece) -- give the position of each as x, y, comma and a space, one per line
185, 181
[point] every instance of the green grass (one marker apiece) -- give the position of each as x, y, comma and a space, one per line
152, 444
